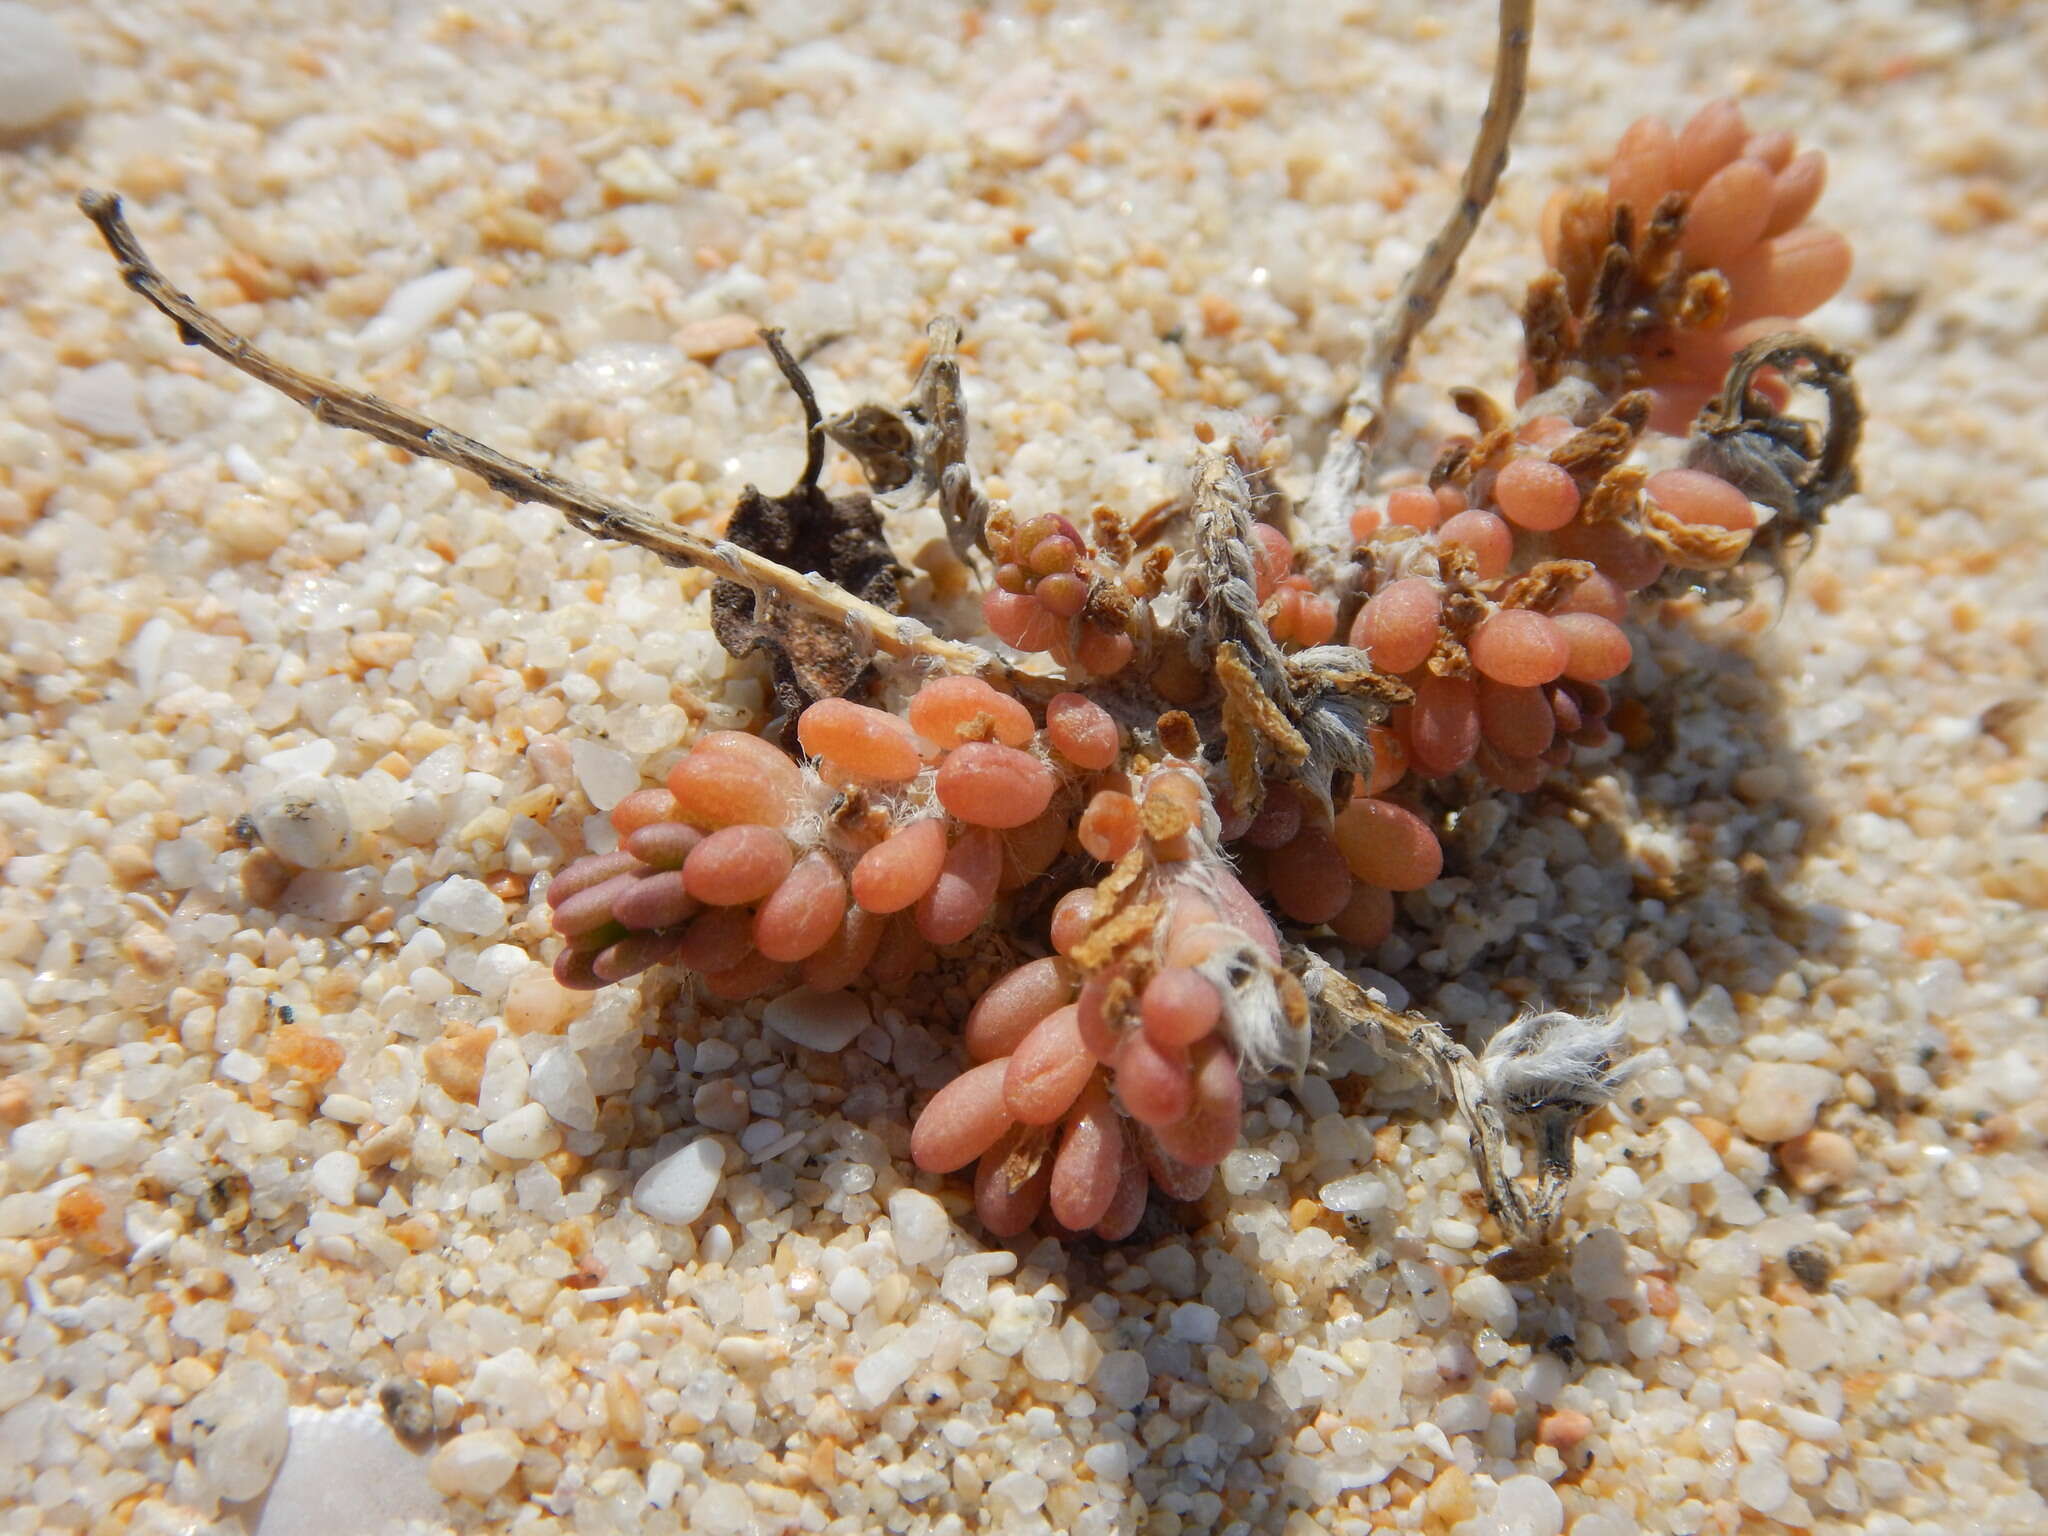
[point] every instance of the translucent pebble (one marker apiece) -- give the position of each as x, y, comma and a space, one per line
898, 870
1009, 1010
680, 1188
1795, 190
1004, 1205
594, 869
717, 941
1536, 494
960, 898
1644, 167
1071, 919
1309, 880
1704, 500
1519, 646
643, 807
817, 1021
1152, 1081
1443, 725
1388, 845
737, 865
1518, 721
1081, 731
656, 900
1209, 1130
989, 785
662, 844
948, 711
1487, 538
868, 744
591, 908
1713, 137
1414, 506
1791, 274
1046, 1073
1178, 1007
1598, 650
1018, 620
635, 953
1367, 918
1398, 627
1089, 1164
803, 913
1727, 215
1109, 827
723, 784
1596, 594
1358, 1194
963, 1120
846, 956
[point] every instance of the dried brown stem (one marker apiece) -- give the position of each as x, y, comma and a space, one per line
337, 405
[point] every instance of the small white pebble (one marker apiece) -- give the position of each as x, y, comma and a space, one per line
240, 1429
1356, 1195
413, 308
1193, 1323
560, 1084
306, 823
465, 905
475, 1465
1527, 1506
335, 1177
1779, 1099
1123, 1378
851, 1289
1487, 1302
41, 74
524, 1134
680, 1188
102, 400
606, 774
921, 1226
818, 1021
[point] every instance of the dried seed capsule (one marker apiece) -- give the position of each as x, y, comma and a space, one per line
1178, 1007
895, 872
1081, 731
1089, 1165
960, 898
803, 913
1443, 725
867, 744
1015, 1005
737, 865
663, 844
1536, 494
643, 807
1521, 647
1048, 1069
1109, 826
948, 711
1398, 627
654, 901
1153, 1082
994, 786
1388, 845
1599, 650
1309, 879
963, 1121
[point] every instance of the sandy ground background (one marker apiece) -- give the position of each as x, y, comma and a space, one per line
294, 1152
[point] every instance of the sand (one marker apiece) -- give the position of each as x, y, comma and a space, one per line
299, 1152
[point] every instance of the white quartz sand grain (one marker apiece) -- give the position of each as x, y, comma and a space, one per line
288, 1102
